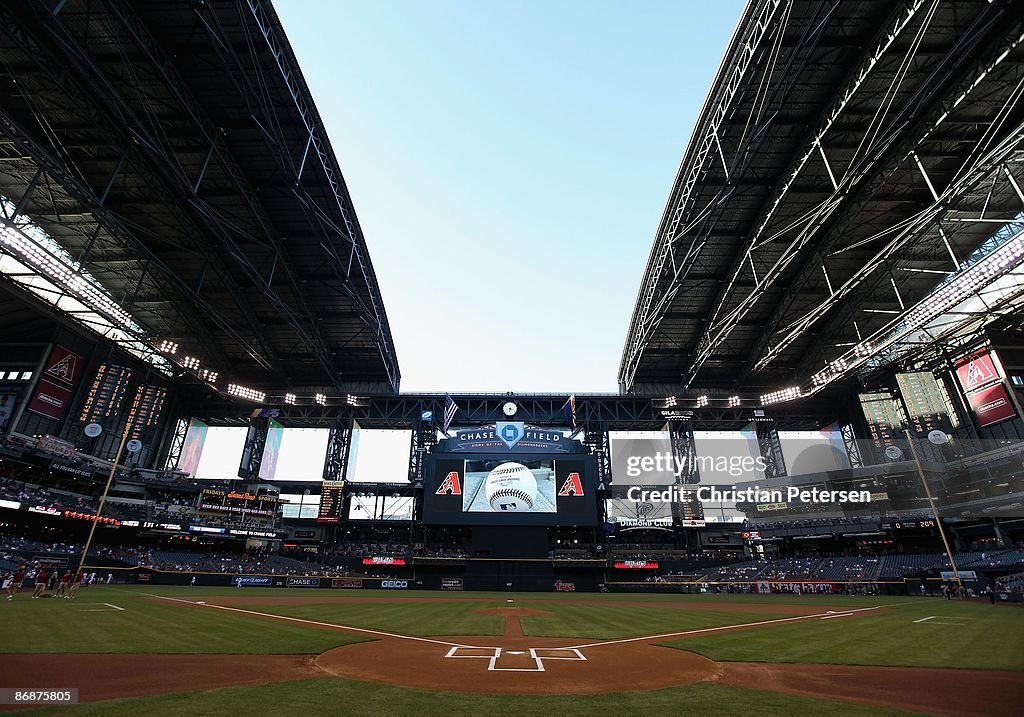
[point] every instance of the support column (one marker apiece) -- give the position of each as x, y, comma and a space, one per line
852, 448
770, 448
176, 441
339, 441
999, 533
252, 453
424, 437
684, 452
595, 437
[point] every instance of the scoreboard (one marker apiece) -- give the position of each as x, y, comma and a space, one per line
925, 402
507, 490
106, 393
883, 419
331, 496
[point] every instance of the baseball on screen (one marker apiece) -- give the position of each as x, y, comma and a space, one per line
509, 487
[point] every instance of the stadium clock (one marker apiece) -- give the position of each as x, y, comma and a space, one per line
509, 408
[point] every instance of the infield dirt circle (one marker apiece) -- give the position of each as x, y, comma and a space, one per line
516, 664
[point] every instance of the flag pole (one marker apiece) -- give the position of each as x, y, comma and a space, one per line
935, 512
106, 488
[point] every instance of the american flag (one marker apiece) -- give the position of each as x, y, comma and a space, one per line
450, 409
569, 409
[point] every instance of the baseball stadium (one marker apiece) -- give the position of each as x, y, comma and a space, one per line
805, 494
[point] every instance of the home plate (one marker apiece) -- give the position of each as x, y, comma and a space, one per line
515, 652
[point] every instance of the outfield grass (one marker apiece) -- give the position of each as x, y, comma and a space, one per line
329, 697
424, 618
608, 622
983, 636
459, 618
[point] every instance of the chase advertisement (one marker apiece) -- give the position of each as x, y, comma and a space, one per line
511, 437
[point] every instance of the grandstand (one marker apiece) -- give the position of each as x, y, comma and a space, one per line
838, 258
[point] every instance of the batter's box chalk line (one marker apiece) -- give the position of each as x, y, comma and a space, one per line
493, 654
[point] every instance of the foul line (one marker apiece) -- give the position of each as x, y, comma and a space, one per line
822, 616
311, 622
957, 619
80, 607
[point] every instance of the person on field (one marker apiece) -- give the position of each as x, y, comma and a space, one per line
65, 583
76, 582
7, 583
41, 577
17, 580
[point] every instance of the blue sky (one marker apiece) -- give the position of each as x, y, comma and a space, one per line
509, 164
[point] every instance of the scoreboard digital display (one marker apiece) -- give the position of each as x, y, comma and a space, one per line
106, 393
331, 496
503, 489
925, 402
883, 419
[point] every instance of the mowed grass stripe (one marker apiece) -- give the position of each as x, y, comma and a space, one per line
149, 626
329, 697
420, 619
566, 620
984, 637
611, 622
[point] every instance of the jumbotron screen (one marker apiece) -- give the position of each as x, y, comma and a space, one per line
509, 490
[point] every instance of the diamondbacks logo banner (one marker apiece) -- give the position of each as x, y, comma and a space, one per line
51, 396
451, 485
571, 486
977, 372
63, 366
